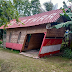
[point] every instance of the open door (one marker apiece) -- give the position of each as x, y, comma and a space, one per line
27, 41
36, 41
33, 41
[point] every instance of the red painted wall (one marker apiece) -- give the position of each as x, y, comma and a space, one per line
14, 46
49, 42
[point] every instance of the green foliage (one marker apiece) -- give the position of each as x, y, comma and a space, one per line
66, 24
18, 3
65, 6
63, 10
22, 6
48, 6
67, 53
71, 44
70, 0
1, 42
7, 12
67, 16
27, 8
35, 6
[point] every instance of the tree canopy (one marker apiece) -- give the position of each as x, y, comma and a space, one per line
7, 12
23, 7
48, 6
35, 6
12, 10
26, 7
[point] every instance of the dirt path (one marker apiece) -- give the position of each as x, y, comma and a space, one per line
11, 62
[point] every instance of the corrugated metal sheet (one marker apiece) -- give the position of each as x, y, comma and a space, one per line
42, 18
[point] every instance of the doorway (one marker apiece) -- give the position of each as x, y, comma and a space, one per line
33, 43
27, 41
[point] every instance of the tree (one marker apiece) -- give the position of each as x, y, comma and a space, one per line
48, 6
68, 15
65, 6
27, 8
23, 7
7, 12
18, 5
35, 6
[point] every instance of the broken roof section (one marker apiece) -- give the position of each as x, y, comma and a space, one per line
37, 19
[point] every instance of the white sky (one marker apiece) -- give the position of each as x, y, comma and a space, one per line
60, 2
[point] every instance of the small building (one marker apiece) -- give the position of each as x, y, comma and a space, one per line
35, 33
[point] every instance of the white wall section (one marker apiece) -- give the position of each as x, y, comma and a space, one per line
52, 48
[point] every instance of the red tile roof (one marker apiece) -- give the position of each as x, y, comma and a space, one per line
37, 19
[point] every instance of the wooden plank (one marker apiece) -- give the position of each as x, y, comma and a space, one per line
36, 40
55, 32
24, 43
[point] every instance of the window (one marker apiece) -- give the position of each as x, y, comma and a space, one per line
10, 37
19, 36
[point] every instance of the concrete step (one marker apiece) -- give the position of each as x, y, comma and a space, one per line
29, 55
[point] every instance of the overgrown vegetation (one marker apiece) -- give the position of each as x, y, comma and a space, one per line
67, 53
66, 49
1, 42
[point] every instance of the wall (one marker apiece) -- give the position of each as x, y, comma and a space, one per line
60, 20
24, 32
30, 30
50, 46
55, 32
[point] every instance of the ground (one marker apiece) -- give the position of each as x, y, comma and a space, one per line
13, 62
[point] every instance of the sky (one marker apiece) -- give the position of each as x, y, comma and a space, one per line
60, 4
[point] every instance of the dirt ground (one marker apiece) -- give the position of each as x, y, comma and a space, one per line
13, 62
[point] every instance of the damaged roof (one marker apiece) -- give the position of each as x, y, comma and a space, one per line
37, 19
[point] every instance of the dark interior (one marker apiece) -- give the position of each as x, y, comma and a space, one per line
34, 41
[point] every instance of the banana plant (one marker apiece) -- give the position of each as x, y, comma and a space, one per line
68, 24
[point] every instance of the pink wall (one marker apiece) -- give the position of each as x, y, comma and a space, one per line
14, 46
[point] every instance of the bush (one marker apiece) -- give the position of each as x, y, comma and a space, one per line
1, 42
67, 53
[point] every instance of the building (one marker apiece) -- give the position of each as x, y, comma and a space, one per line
35, 33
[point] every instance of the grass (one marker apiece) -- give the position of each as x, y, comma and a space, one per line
11, 61
9, 50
